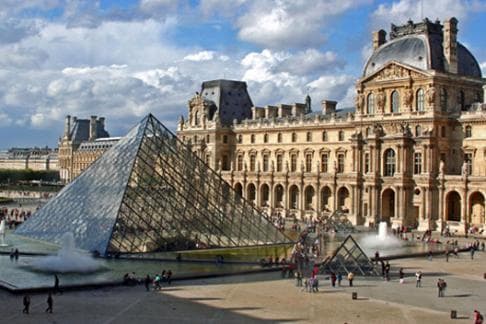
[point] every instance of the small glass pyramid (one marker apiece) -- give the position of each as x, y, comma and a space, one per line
150, 193
349, 257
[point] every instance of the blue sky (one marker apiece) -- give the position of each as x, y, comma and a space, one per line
125, 58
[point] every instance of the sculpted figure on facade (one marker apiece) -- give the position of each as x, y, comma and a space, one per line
359, 102
408, 97
380, 100
431, 94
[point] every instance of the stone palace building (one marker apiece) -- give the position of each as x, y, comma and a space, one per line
412, 152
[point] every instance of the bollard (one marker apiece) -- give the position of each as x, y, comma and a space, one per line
453, 314
354, 295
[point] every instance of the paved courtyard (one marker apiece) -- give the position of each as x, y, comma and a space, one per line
268, 298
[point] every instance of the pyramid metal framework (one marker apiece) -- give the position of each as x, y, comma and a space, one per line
349, 257
151, 193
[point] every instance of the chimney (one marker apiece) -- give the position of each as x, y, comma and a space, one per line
92, 128
328, 106
102, 123
379, 38
67, 127
484, 94
450, 45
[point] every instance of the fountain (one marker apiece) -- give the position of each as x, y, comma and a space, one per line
2, 234
382, 241
67, 260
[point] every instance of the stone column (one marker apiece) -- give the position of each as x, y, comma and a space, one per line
399, 158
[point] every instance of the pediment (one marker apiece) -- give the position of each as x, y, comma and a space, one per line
396, 71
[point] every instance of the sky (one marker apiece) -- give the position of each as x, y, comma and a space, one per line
123, 59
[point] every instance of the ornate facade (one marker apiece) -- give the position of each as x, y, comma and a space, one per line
411, 152
83, 141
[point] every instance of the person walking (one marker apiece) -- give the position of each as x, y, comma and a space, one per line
339, 279
441, 285
387, 271
50, 302
56, 285
447, 255
147, 282
26, 303
350, 279
472, 250
418, 276
333, 279
401, 275
478, 318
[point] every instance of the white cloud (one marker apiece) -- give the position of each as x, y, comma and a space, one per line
398, 12
340, 88
483, 68
200, 56
273, 77
289, 23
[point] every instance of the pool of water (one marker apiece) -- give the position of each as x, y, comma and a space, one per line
332, 241
20, 275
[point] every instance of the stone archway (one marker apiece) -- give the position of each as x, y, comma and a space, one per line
343, 199
453, 206
265, 195
309, 194
294, 197
387, 205
251, 192
325, 199
476, 208
279, 196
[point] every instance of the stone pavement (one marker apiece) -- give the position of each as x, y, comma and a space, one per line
268, 298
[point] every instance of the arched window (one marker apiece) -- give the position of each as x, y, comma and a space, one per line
279, 137
324, 136
395, 102
370, 107
294, 137
265, 138
443, 99
419, 104
240, 139
308, 162
389, 168
468, 131
196, 118
309, 137
252, 163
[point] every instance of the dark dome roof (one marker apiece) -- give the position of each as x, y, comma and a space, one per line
423, 52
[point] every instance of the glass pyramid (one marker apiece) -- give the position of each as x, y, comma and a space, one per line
150, 193
349, 257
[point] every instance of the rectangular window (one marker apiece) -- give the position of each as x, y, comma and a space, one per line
239, 163
293, 163
324, 163
225, 139
252, 163
417, 166
225, 163
265, 163
367, 163
308, 162
279, 162
340, 163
